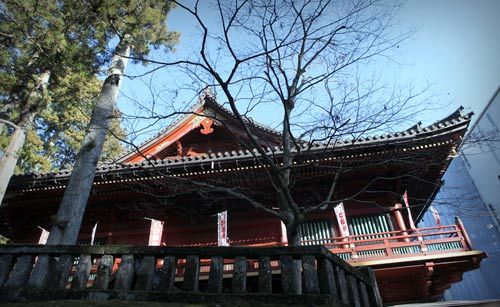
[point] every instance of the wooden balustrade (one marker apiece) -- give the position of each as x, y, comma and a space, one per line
403, 243
162, 273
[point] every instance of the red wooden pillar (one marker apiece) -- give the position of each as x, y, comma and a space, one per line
400, 220
460, 226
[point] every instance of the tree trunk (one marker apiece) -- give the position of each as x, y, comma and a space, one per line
30, 107
293, 237
9, 160
296, 272
67, 222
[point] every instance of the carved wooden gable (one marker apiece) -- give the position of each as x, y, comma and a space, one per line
209, 128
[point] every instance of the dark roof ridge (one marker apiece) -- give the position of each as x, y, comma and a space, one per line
213, 103
456, 114
449, 124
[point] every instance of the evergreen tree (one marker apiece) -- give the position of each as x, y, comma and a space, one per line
137, 25
61, 126
51, 52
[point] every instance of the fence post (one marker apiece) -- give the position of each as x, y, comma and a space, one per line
341, 278
39, 274
311, 284
326, 275
6, 263
265, 275
20, 272
216, 274
167, 273
125, 275
290, 275
145, 273
104, 273
239, 282
82, 272
192, 273
374, 293
364, 293
59, 278
353, 291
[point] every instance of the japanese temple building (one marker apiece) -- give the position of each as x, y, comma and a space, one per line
158, 181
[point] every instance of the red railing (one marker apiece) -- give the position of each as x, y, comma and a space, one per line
382, 245
402, 243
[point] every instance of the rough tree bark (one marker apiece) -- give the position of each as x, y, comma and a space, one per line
67, 222
9, 160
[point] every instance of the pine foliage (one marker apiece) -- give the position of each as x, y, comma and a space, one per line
70, 40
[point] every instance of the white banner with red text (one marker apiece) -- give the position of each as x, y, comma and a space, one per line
43, 236
155, 232
222, 239
435, 214
342, 220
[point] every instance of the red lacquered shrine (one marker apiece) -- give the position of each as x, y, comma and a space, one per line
208, 145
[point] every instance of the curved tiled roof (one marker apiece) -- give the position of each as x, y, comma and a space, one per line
455, 122
207, 98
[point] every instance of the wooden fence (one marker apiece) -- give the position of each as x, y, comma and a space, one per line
35, 272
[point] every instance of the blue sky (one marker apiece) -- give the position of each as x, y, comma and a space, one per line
455, 48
